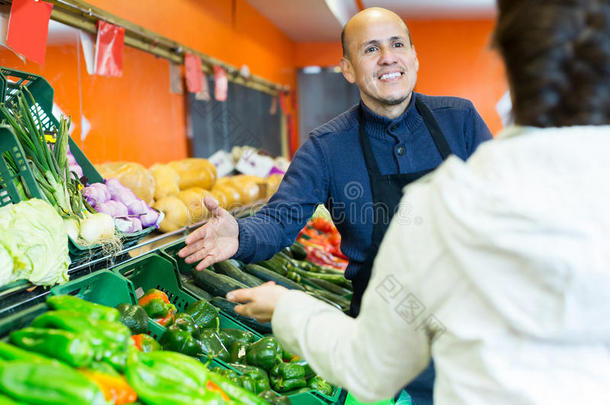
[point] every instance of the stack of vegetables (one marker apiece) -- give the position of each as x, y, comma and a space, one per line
178, 188
257, 364
57, 175
79, 353
130, 213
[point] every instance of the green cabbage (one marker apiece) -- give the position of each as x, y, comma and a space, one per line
33, 235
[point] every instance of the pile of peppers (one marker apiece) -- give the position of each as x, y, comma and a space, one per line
322, 241
80, 353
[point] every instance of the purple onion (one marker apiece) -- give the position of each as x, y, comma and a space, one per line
137, 207
119, 192
112, 208
96, 193
76, 169
149, 218
128, 224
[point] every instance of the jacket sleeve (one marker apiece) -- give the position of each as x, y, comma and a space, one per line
388, 345
276, 225
475, 131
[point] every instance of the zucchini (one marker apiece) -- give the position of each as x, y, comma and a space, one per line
338, 279
287, 252
328, 286
298, 251
274, 264
268, 275
197, 291
228, 269
229, 308
216, 284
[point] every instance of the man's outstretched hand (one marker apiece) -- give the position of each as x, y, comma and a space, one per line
214, 241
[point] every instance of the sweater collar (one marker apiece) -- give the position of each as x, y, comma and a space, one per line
379, 126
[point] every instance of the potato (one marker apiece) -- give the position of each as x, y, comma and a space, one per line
193, 199
176, 213
132, 175
166, 181
195, 172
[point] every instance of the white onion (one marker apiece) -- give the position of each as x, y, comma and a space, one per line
97, 227
71, 227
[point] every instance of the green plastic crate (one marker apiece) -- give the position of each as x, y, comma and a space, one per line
10, 82
20, 319
155, 271
169, 256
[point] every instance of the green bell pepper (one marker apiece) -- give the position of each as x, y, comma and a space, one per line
71, 348
265, 353
185, 322
273, 398
258, 374
145, 343
170, 378
134, 317
321, 385
212, 345
287, 377
48, 383
235, 392
230, 375
248, 383
178, 340
238, 352
4, 400
12, 352
156, 304
204, 314
230, 336
106, 337
309, 373
89, 309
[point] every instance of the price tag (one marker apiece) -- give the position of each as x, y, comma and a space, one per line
139, 292
254, 164
223, 162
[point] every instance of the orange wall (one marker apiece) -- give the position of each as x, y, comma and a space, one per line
454, 57
135, 117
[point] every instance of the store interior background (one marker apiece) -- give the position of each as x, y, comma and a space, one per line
135, 118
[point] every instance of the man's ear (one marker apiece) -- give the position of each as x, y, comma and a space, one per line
416, 61
347, 70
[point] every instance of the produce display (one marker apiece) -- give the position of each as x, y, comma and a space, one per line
98, 217
256, 363
181, 341
80, 353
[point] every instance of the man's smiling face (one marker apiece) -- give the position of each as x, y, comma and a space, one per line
381, 60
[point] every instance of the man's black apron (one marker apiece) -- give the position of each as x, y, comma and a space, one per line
386, 191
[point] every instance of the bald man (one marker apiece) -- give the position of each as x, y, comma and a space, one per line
358, 163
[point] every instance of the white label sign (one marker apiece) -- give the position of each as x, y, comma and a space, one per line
223, 162
254, 164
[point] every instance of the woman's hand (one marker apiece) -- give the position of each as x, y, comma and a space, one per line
258, 302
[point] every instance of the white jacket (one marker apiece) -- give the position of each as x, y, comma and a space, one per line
498, 268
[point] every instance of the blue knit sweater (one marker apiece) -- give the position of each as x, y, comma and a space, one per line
329, 168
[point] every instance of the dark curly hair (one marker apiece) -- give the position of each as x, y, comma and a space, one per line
557, 58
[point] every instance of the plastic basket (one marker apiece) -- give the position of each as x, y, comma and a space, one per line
11, 81
155, 271
169, 255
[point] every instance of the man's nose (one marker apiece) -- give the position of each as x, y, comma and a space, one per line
386, 56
